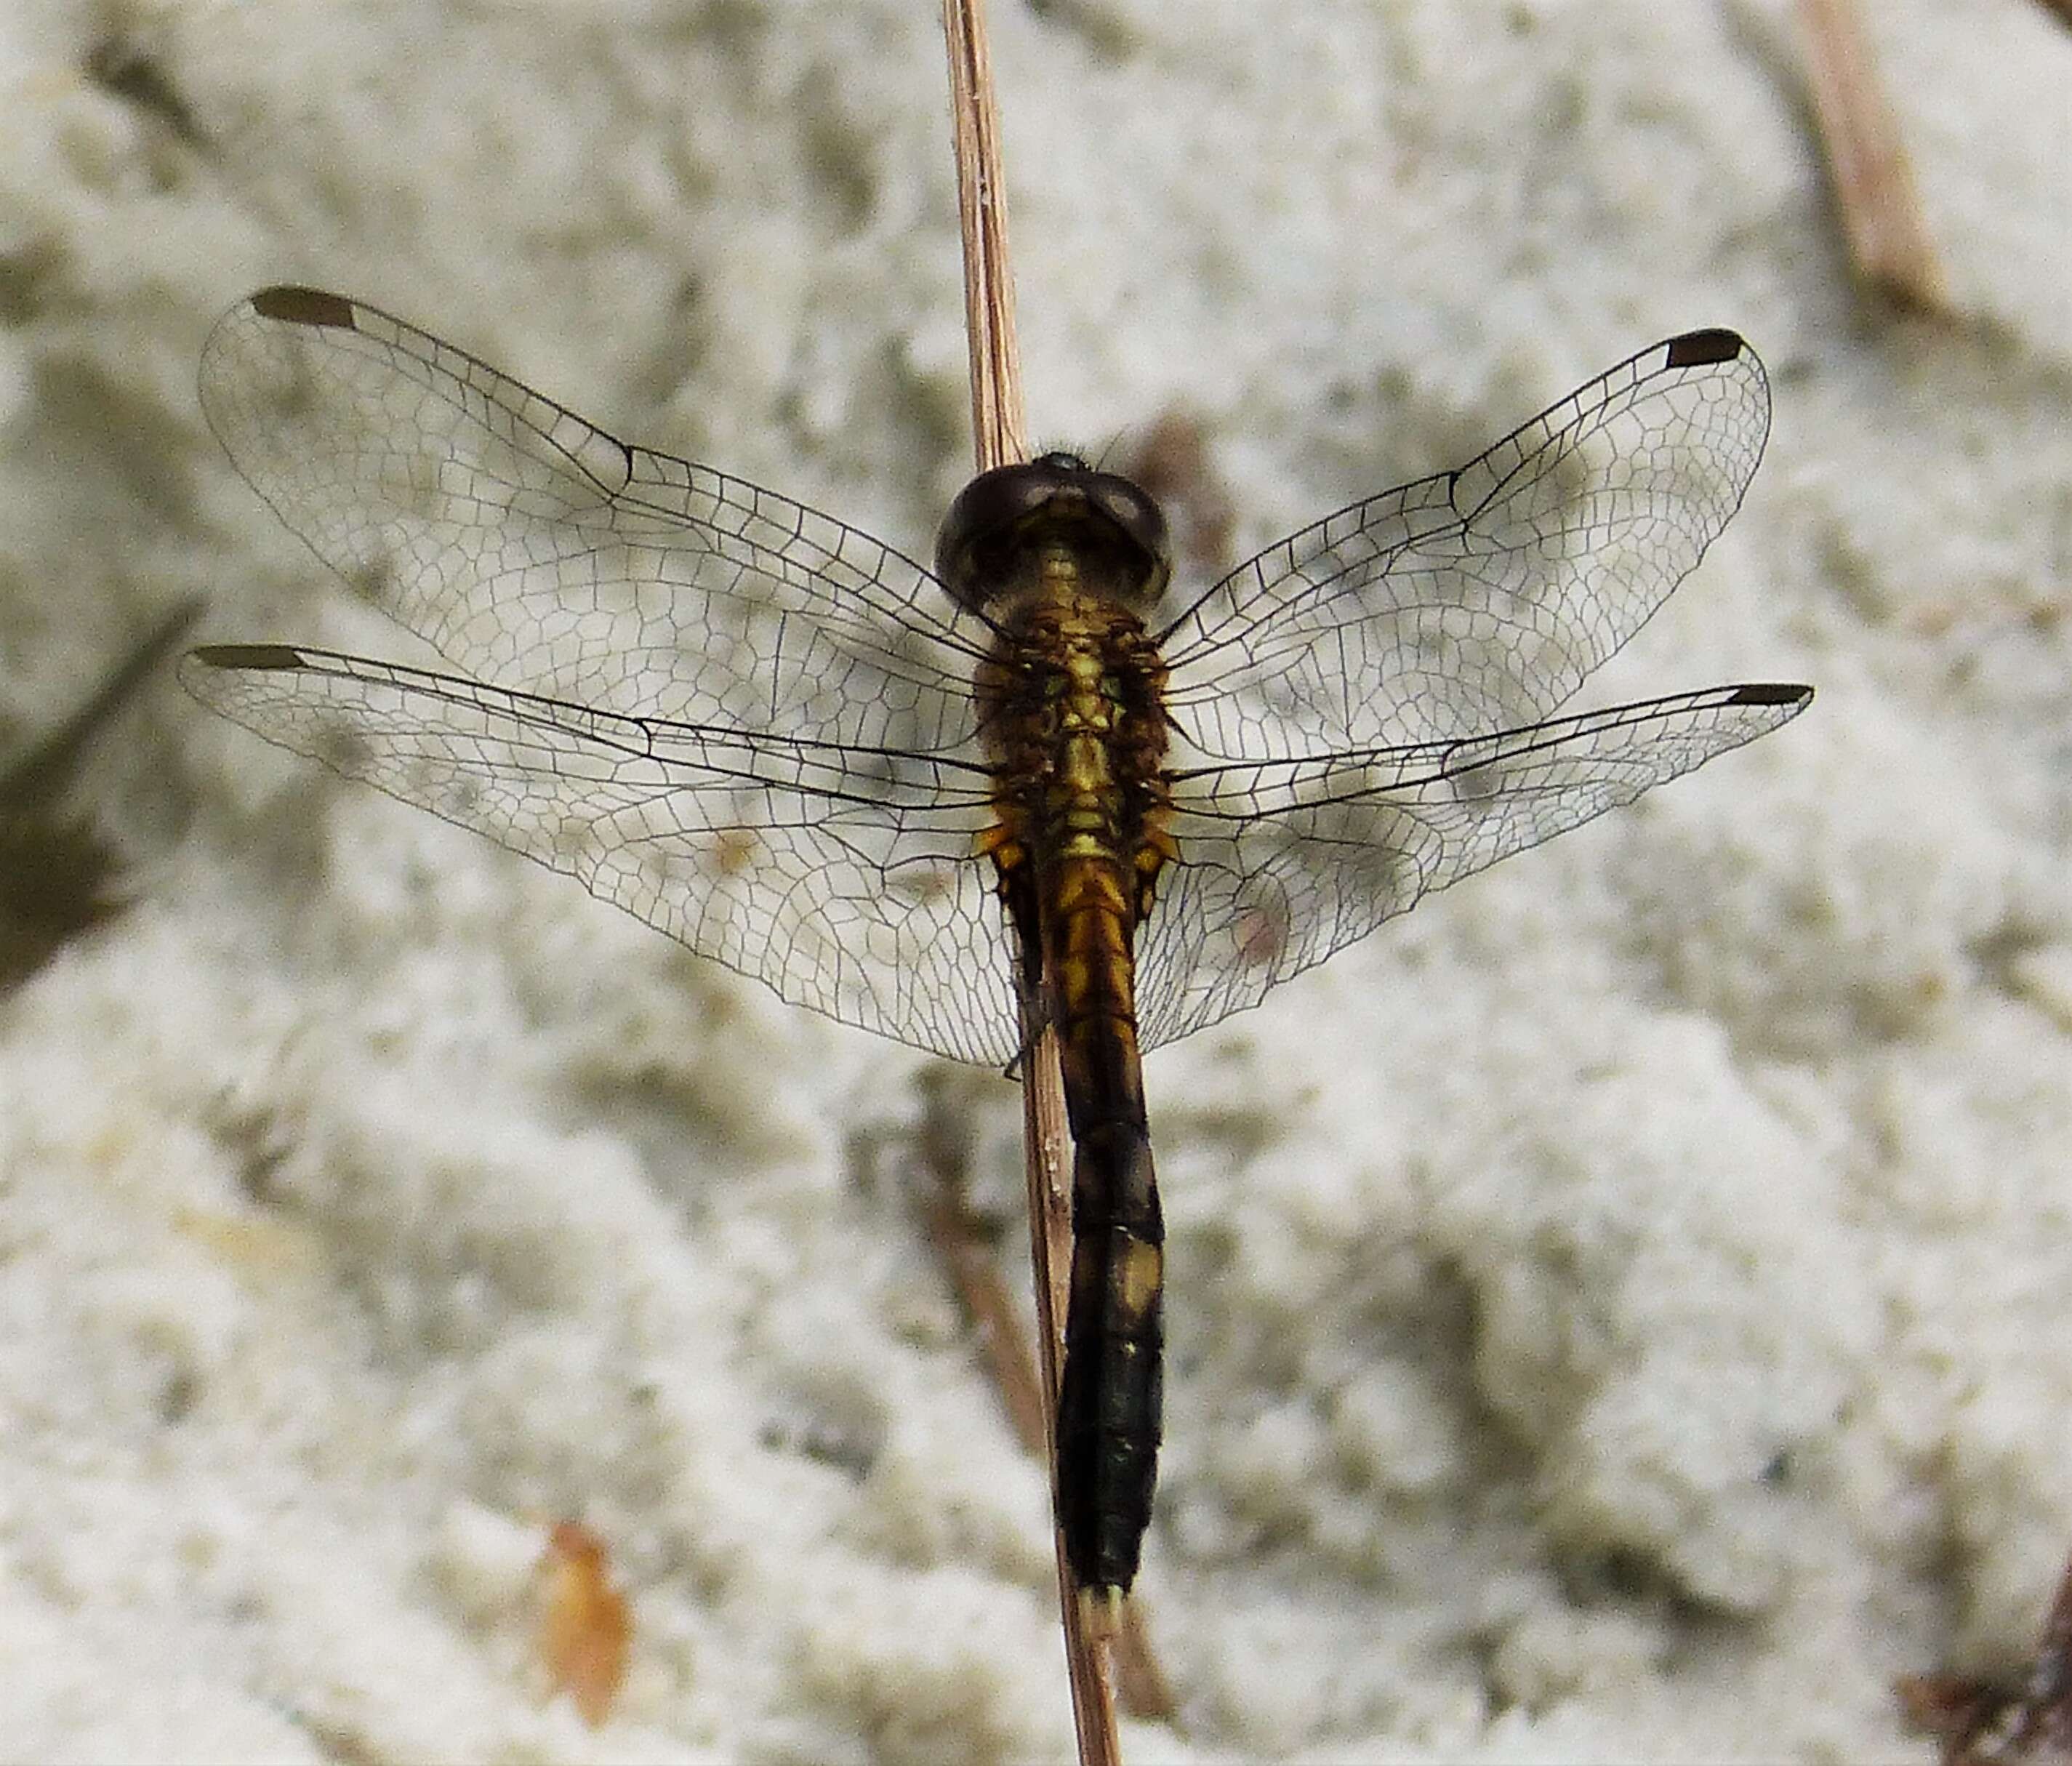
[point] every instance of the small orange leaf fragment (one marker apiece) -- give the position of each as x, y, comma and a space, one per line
585, 1624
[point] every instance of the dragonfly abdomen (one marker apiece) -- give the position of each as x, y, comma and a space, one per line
1108, 1411
1071, 708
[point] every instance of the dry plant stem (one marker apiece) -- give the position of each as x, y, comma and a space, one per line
995, 362
996, 425
1873, 182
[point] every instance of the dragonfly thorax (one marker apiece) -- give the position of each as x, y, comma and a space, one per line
988, 550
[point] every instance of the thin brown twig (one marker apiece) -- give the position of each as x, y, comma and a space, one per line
998, 437
1889, 239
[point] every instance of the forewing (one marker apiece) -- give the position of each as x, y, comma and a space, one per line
845, 878
531, 549
1283, 861
1478, 599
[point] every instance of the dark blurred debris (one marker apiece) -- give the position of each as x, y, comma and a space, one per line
1173, 463
1982, 1723
58, 874
118, 63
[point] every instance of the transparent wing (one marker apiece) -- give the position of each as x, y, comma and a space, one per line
753, 726
1283, 861
531, 549
1478, 599
844, 878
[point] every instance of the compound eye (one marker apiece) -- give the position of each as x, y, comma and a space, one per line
1000, 514
1142, 522
988, 513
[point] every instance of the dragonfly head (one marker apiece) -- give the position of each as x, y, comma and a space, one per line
996, 529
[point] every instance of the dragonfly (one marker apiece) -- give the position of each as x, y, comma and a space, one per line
1038, 783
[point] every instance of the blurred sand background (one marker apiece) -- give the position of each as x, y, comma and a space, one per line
1617, 1313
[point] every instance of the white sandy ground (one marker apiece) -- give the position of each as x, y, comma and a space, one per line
1619, 1312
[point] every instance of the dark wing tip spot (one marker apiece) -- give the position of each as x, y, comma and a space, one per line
1771, 693
248, 656
1700, 349
304, 306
